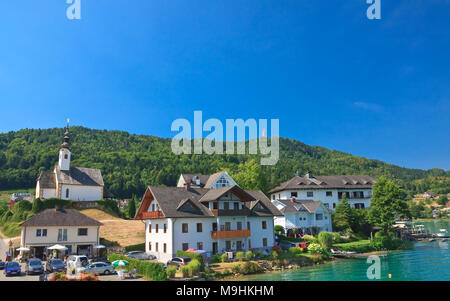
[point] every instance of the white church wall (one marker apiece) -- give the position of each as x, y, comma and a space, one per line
81, 193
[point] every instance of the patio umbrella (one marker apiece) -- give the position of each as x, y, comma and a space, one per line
99, 247
57, 247
190, 250
120, 263
22, 249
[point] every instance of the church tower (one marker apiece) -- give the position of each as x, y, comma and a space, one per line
64, 152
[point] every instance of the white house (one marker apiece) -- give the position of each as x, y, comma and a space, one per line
215, 220
310, 217
327, 189
67, 227
70, 183
217, 180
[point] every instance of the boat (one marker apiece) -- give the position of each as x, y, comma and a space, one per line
442, 233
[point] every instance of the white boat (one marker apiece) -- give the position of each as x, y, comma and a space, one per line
442, 233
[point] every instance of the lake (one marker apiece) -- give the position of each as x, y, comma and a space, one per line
426, 261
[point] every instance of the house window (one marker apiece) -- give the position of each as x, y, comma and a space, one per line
67, 192
165, 248
334, 205
82, 231
156, 228
44, 232
228, 245
249, 243
215, 206
38, 232
264, 224
165, 228
239, 245
199, 246
185, 246
62, 234
236, 206
239, 226
329, 193
309, 194
199, 227
319, 216
149, 245
294, 194
66, 156
227, 226
226, 206
156, 247
214, 226
273, 197
185, 228
264, 242
248, 225
326, 205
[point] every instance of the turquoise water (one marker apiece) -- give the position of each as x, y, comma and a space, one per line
426, 261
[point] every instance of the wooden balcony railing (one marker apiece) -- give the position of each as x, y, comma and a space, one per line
230, 212
230, 234
152, 214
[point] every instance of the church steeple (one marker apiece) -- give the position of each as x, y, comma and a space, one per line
64, 152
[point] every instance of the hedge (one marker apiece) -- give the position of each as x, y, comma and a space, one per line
150, 270
197, 256
138, 247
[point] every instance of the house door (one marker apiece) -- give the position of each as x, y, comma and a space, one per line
214, 247
239, 245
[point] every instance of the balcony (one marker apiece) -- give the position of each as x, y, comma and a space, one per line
230, 234
152, 214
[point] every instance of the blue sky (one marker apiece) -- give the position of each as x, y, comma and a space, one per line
374, 88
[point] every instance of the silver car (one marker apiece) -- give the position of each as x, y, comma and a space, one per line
139, 255
34, 266
98, 268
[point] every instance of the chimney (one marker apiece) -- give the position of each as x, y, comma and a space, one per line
187, 185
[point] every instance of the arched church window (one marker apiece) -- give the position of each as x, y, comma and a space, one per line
67, 192
66, 156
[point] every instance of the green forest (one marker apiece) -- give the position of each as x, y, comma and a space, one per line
130, 162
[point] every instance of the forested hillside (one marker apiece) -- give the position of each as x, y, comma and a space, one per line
131, 162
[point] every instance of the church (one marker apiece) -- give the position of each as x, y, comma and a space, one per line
68, 182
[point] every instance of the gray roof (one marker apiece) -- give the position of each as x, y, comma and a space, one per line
299, 205
47, 180
173, 201
80, 176
60, 217
325, 182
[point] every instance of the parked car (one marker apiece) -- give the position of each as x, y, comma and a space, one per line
98, 268
79, 260
179, 261
2, 264
55, 265
34, 266
12, 268
139, 255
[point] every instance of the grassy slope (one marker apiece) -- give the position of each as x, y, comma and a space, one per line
124, 232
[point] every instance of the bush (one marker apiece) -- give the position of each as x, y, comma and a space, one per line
248, 255
240, 255
258, 254
360, 246
195, 267
273, 255
224, 257
325, 239
171, 271
191, 255
309, 238
150, 270
138, 247
226, 272
317, 249
277, 249
236, 269
216, 258
279, 230
295, 250
185, 271
250, 267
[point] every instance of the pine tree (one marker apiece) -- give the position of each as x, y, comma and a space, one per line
132, 208
342, 217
